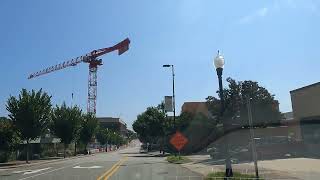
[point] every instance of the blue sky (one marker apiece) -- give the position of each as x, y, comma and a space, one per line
274, 42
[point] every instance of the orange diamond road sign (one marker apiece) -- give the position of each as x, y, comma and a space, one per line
178, 140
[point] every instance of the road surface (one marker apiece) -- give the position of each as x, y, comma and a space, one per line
124, 164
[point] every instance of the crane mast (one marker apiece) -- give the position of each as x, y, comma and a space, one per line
92, 85
93, 61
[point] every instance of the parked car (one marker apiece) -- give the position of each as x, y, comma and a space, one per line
143, 148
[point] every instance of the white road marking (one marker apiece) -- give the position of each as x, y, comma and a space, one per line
48, 172
89, 167
17, 172
36, 171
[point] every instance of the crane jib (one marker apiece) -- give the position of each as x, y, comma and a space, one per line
90, 58
122, 47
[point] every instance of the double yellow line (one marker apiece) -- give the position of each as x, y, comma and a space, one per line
113, 169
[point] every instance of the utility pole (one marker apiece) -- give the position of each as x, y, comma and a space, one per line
253, 145
174, 100
173, 95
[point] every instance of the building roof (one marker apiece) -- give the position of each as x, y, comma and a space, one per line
193, 103
195, 107
305, 87
111, 120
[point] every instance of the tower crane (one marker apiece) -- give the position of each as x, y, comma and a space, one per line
93, 61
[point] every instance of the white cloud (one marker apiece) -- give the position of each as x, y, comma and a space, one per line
309, 5
298, 5
262, 12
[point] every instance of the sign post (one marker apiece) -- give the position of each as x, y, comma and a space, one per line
253, 145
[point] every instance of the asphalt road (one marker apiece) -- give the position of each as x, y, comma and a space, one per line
124, 164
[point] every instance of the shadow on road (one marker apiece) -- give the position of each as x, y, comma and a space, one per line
130, 153
148, 155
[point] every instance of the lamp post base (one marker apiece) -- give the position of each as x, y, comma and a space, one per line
229, 172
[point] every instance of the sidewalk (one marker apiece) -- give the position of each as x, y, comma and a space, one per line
16, 164
271, 169
13, 164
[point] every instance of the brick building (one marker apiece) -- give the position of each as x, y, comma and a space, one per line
195, 107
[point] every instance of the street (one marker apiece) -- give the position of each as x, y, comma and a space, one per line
123, 164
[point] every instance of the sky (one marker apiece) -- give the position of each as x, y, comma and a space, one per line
273, 42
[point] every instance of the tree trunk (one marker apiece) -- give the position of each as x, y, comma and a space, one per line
64, 150
75, 148
85, 148
27, 160
161, 144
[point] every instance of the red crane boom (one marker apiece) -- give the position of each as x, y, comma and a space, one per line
90, 58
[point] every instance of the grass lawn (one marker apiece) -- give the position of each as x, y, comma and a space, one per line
178, 159
236, 176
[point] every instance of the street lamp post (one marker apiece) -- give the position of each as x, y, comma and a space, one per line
173, 95
219, 64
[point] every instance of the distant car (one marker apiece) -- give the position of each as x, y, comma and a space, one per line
142, 150
143, 146
93, 151
213, 152
154, 147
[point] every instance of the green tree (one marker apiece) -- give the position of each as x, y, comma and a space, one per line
116, 138
131, 135
65, 124
184, 120
150, 125
8, 138
77, 135
30, 114
102, 135
89, 126
264, 106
